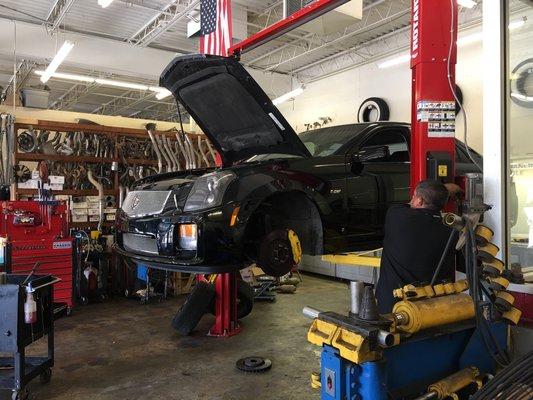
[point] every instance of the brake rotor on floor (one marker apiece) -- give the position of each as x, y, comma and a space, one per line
253, 364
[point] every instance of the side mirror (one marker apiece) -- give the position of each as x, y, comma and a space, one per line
371, 153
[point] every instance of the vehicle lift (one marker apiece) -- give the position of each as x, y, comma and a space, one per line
429, 342
226, 322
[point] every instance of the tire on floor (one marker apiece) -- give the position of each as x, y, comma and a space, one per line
195, 306
245, 300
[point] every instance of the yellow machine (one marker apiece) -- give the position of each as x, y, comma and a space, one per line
431, 331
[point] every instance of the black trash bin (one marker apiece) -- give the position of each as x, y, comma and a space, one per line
16, 370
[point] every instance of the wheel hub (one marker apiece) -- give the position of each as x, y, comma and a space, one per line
253, 364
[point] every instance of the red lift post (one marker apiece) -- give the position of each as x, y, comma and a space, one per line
433, 58
226, 322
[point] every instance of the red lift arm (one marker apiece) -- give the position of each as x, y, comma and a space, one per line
306, 14
433, 58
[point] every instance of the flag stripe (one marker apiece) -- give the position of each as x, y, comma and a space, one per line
216, 27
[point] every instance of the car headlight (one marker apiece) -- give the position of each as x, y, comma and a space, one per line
208, 190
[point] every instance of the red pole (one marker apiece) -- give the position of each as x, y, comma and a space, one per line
433, 58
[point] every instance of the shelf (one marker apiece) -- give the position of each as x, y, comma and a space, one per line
106, 224
141, 161
61, 157
106, 130
72, 192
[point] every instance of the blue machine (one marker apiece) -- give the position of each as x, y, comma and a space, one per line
408, 369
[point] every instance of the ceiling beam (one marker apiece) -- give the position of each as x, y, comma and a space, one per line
124, 102
173, 12
58, 12
396, 13
21, 74
73, 96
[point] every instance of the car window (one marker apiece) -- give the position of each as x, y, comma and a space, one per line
395, 142
326, 141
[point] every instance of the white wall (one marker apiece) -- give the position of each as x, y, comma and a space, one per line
340, 96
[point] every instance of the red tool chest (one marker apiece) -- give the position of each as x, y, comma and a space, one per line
38, 232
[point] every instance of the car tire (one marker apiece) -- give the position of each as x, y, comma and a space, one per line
373, 104
245, 300
195, 306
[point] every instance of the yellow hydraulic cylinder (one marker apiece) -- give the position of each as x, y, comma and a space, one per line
414, 316
447, 387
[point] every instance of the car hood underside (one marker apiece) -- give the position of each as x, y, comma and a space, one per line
230, 107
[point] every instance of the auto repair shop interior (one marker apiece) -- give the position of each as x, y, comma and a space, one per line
266, 199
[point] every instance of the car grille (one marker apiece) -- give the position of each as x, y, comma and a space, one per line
139, 243
145, 202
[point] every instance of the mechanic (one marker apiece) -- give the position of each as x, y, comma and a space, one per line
415, 239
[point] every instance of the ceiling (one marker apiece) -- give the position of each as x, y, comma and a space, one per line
152, 27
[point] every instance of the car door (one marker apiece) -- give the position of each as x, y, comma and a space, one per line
381, 182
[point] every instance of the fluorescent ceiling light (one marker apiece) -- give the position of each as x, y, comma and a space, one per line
401, 59
287, 96
161, 93
104, 3
467, 3
127, 85
56, 61
71, 77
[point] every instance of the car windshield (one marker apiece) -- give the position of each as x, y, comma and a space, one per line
325, 141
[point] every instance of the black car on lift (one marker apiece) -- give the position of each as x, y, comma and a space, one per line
332, 186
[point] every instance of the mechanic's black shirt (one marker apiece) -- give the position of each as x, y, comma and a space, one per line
414, 241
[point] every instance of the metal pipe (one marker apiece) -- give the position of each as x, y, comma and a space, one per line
161, 143
202, 151
310, 312
183, 150
356, 295
428, 396
100, 188
170, 149
385, 339
150, 128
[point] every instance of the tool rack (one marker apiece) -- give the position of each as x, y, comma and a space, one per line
115, 133
15, 335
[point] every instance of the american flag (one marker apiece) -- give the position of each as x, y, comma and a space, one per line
215, 27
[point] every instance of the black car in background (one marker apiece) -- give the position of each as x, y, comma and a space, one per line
332, 186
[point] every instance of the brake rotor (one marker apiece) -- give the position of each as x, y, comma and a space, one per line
253, 364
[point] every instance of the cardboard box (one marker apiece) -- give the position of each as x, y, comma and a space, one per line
93, 211
94, 218
29, 184
79, 211
92, 199
109, 217
82, 205
110, 210
53, 186
79, 218
53, 179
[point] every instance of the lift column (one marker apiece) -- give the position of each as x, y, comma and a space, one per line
433, 59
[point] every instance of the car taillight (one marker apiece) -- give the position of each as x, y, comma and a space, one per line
187, 236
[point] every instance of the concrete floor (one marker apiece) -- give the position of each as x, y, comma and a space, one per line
123, 350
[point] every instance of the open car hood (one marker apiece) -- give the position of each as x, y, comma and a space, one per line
230, 107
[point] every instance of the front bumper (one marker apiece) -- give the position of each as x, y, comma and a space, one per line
218, 248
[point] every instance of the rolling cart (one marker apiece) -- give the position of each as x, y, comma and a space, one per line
16, 370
